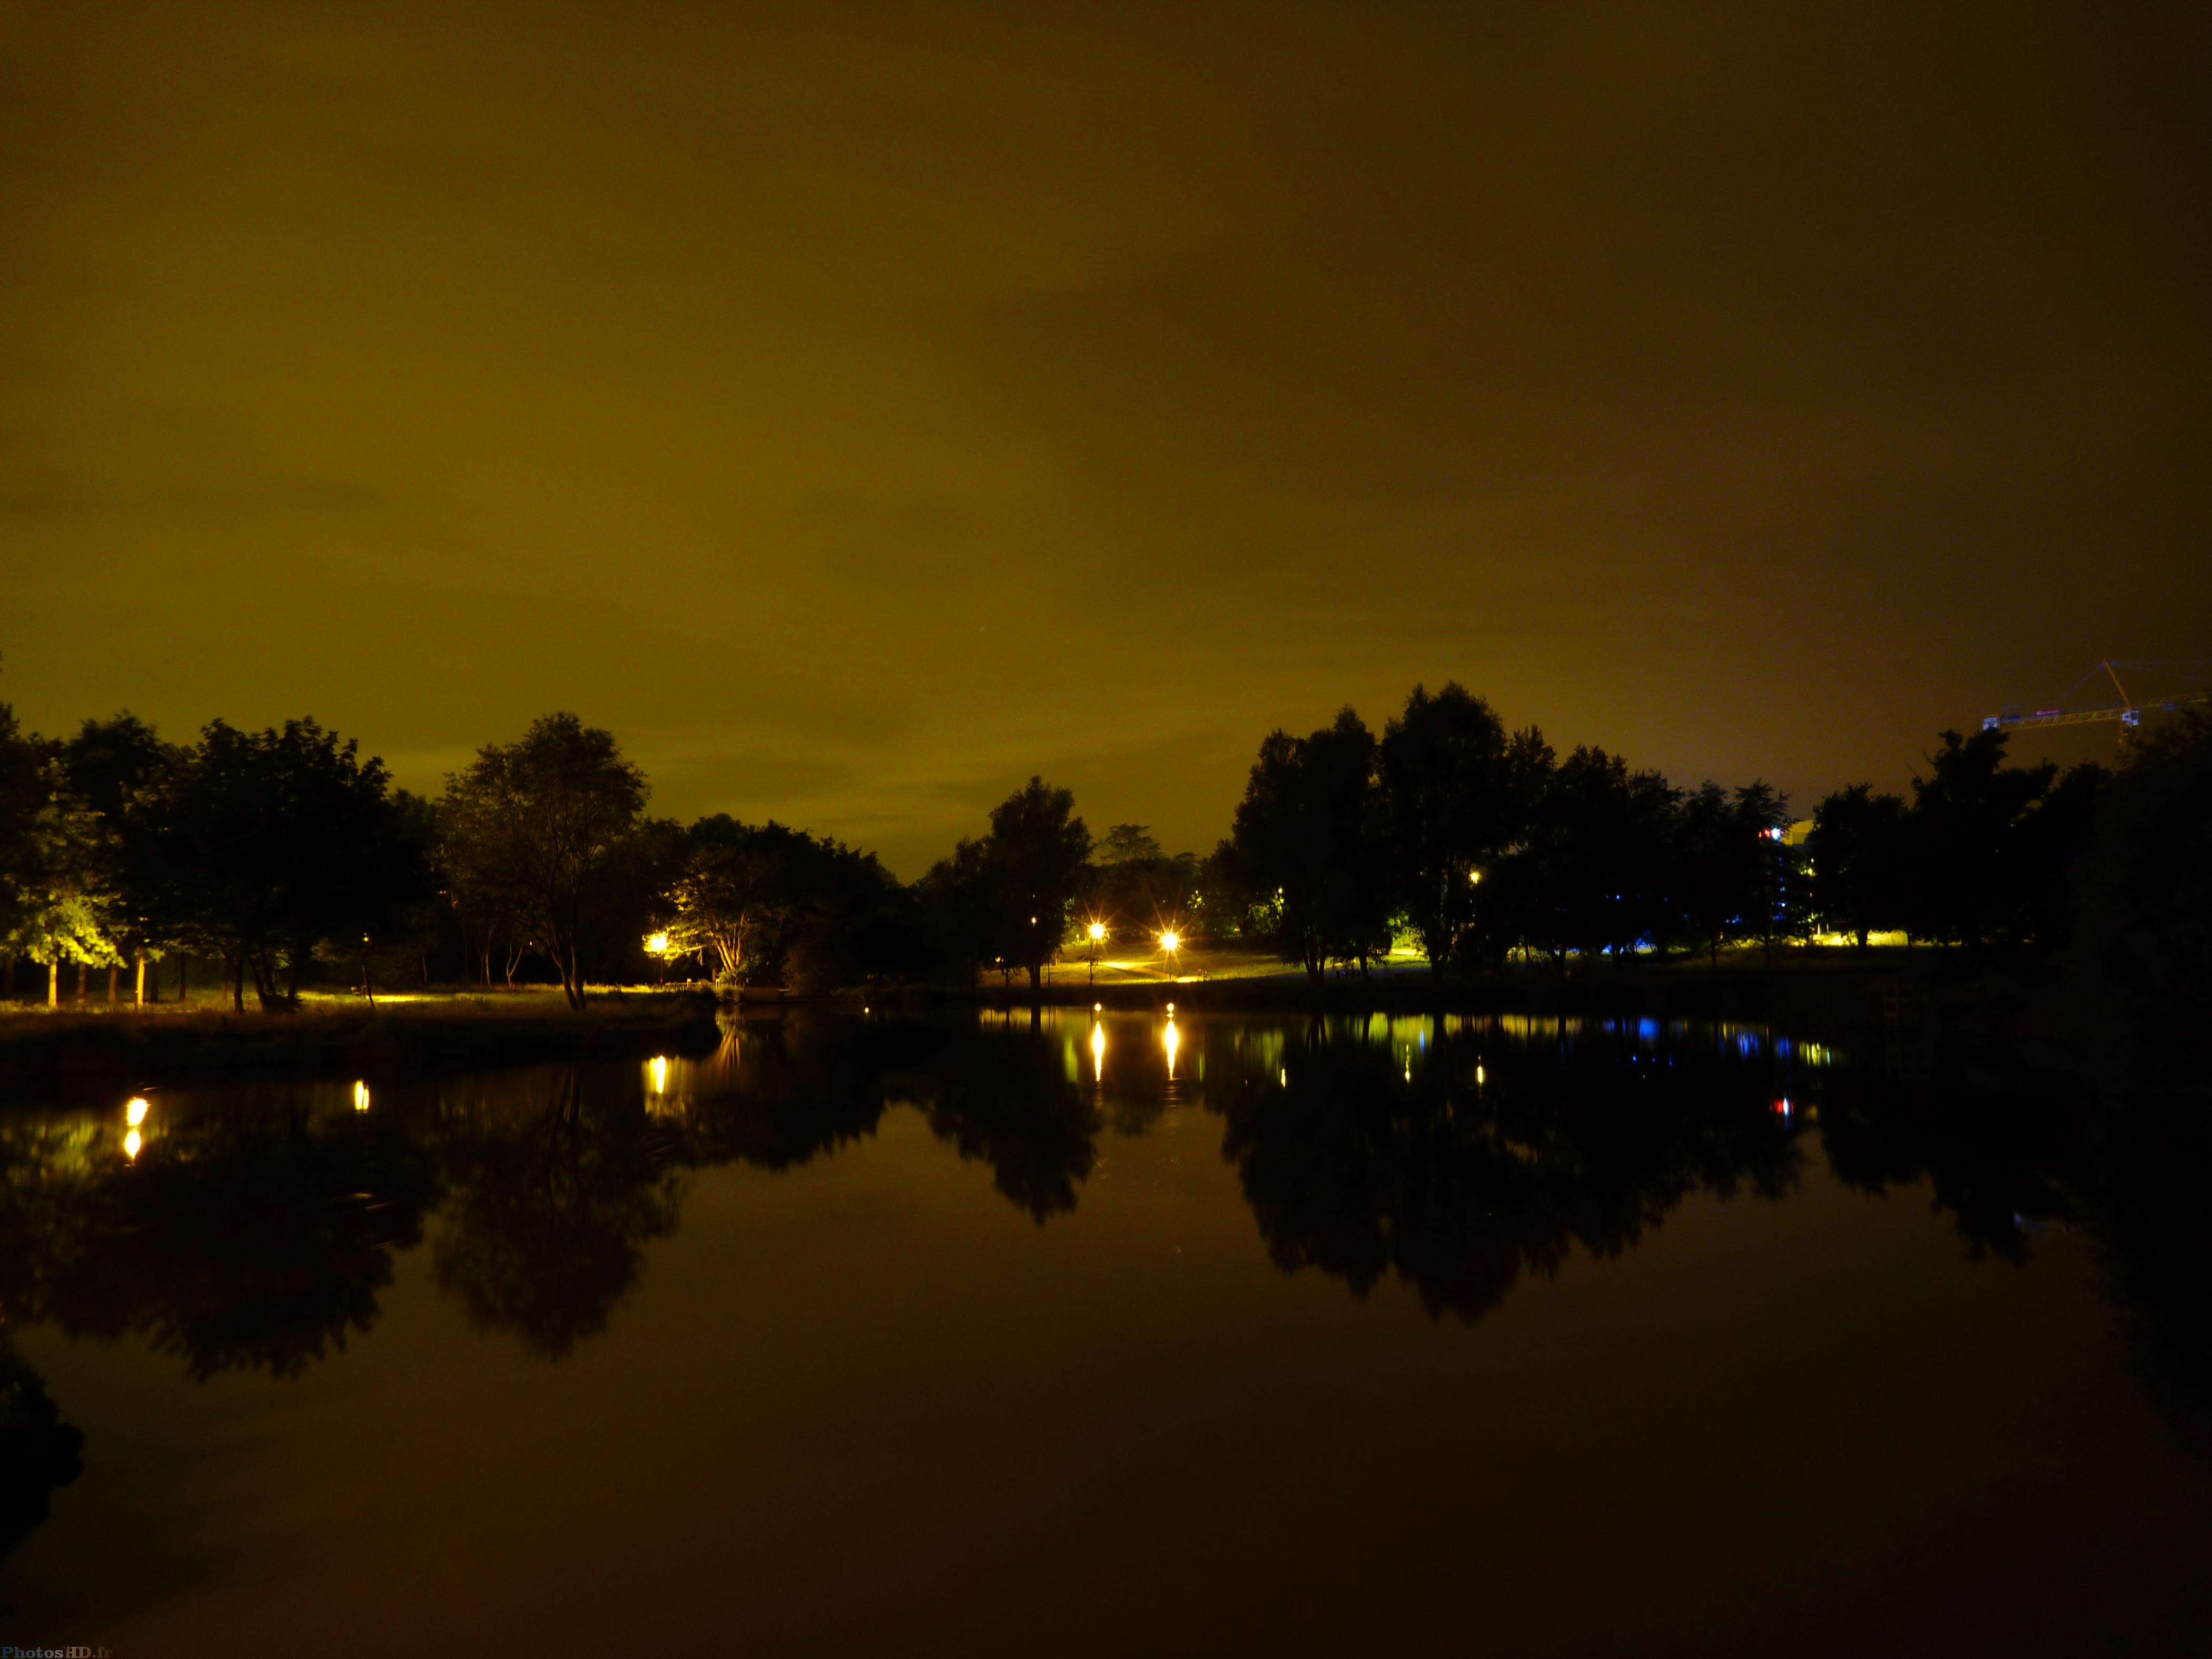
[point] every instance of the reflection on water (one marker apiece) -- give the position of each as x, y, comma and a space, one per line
254, 1229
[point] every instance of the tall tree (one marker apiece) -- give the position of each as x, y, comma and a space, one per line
1857, 852
1450, 784
115, 767
544, 817
1597, 863
1964, 833
1310, 843
2146, 890
23, 793
1038, 855
751, 896
1727, 866
64, 907
269, 843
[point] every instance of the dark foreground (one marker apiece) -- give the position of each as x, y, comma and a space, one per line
1014, 1334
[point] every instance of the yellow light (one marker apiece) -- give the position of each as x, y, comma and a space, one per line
1170, 940
131, 1143
1173, 1042
1171, 1010
134, 1112
658, 944
1478, 1074
360, 1095
1098, 1053
1097, 1007
657, 1069
1473, 876
1097, 931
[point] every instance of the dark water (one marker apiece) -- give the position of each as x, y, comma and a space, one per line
1326, 1337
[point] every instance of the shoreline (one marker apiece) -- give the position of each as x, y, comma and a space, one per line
44, 1056
2012, 1014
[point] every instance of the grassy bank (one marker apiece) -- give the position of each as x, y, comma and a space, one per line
45, 1054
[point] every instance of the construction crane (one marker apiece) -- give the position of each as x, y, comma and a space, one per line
2127, 711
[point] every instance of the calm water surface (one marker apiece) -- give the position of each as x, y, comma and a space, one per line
1031, 1335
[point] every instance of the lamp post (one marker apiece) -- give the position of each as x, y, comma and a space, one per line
1171, 941
1097, 931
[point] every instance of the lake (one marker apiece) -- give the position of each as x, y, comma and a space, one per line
1033, 1333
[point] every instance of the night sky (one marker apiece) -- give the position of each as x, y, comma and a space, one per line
858, 408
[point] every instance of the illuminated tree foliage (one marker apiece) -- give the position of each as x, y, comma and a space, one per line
116, 767
766, 900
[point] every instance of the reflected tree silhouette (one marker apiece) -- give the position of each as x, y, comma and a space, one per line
1005, 1097
779, 1093
1360, 1164
255, 1238
261, 1234
2145, 1212
38, 1453
1999, 1163
555, 1189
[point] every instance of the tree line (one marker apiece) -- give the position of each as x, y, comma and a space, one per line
289, 858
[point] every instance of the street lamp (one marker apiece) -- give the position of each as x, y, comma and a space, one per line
1171, 941
1097, 930
656, 945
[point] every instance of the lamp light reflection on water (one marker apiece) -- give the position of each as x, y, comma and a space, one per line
134, 1111
656, 1072
1172, 1040
1098, 1053
359, 1097
131, 1143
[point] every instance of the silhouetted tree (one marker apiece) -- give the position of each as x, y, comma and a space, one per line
268, 842
1962, 833
1455, 803
22, 792
1596, 864
1311, 844
1137, 885
2050, 845
1006, 899
2145, 909
1858, 849
535, 827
